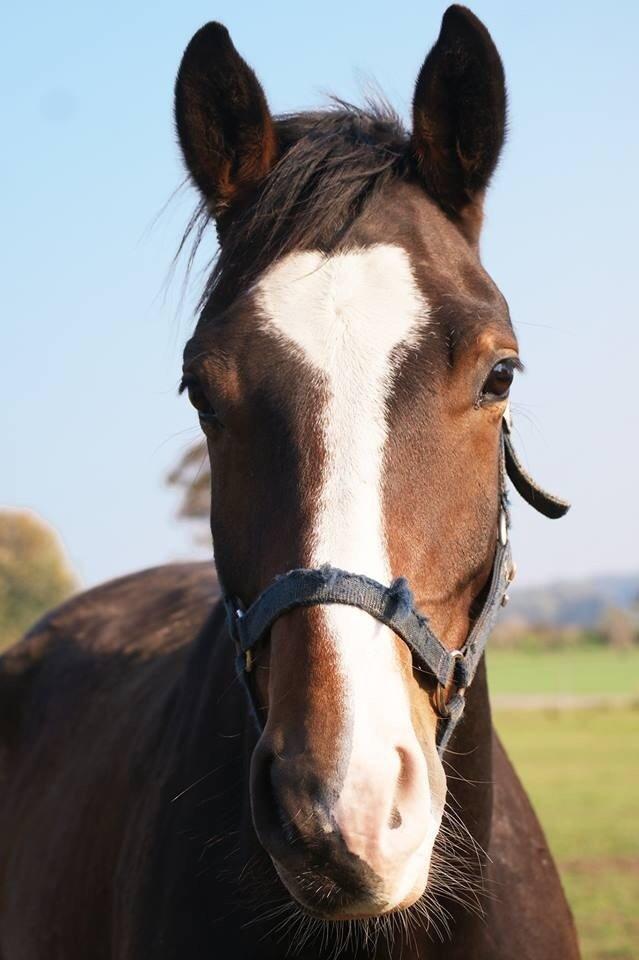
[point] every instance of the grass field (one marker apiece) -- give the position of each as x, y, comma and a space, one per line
581, 769
586, 671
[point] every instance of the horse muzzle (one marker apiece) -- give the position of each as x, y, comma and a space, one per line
346, 797
361, 853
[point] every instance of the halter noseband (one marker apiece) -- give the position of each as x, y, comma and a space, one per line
394, 606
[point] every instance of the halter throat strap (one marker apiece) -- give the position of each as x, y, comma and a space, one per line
542, 501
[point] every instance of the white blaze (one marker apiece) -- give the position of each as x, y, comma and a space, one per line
348, 316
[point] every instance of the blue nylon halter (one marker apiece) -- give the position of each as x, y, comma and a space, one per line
394, 606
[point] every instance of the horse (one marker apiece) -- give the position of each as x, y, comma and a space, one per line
291, 753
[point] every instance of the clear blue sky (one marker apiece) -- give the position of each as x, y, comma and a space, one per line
90, 340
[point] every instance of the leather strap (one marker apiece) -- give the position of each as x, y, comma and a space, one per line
394, 606
544, 502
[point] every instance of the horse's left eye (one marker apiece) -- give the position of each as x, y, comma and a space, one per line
499, 380
198, 398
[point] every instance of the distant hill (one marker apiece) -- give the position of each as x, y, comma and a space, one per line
572, 602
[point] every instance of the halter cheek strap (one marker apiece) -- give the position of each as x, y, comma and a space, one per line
452, 670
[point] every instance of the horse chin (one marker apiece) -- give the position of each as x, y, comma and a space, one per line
323, 898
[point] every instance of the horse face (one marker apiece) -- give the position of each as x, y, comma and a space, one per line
351, 393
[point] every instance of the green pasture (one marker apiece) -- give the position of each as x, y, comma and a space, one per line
581, 769
582, 670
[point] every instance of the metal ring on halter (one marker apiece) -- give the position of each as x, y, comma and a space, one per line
503, 527
443, 691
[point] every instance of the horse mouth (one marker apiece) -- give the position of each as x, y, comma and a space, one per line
323, 897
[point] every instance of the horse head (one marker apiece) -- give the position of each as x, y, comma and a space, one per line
351, 368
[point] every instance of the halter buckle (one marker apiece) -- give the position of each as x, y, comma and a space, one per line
247, 654
443, 691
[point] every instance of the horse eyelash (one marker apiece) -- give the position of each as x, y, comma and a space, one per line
187, 381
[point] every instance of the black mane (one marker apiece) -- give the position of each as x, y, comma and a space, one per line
333, 162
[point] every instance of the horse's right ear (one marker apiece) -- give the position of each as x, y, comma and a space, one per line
224, 125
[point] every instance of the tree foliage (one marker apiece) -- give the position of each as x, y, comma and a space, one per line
192, 478
34, 572
618, 628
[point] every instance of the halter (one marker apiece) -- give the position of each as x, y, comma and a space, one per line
394, 606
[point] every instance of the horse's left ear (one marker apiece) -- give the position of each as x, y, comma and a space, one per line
459, 116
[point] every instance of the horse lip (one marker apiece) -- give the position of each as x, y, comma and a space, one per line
335, 904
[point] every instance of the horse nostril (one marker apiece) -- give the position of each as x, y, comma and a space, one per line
263, 789
395, 819
282, 795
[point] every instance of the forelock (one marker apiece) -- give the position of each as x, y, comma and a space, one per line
333, 163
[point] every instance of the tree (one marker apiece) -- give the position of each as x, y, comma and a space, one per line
34, 572
193, 479
617, 628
